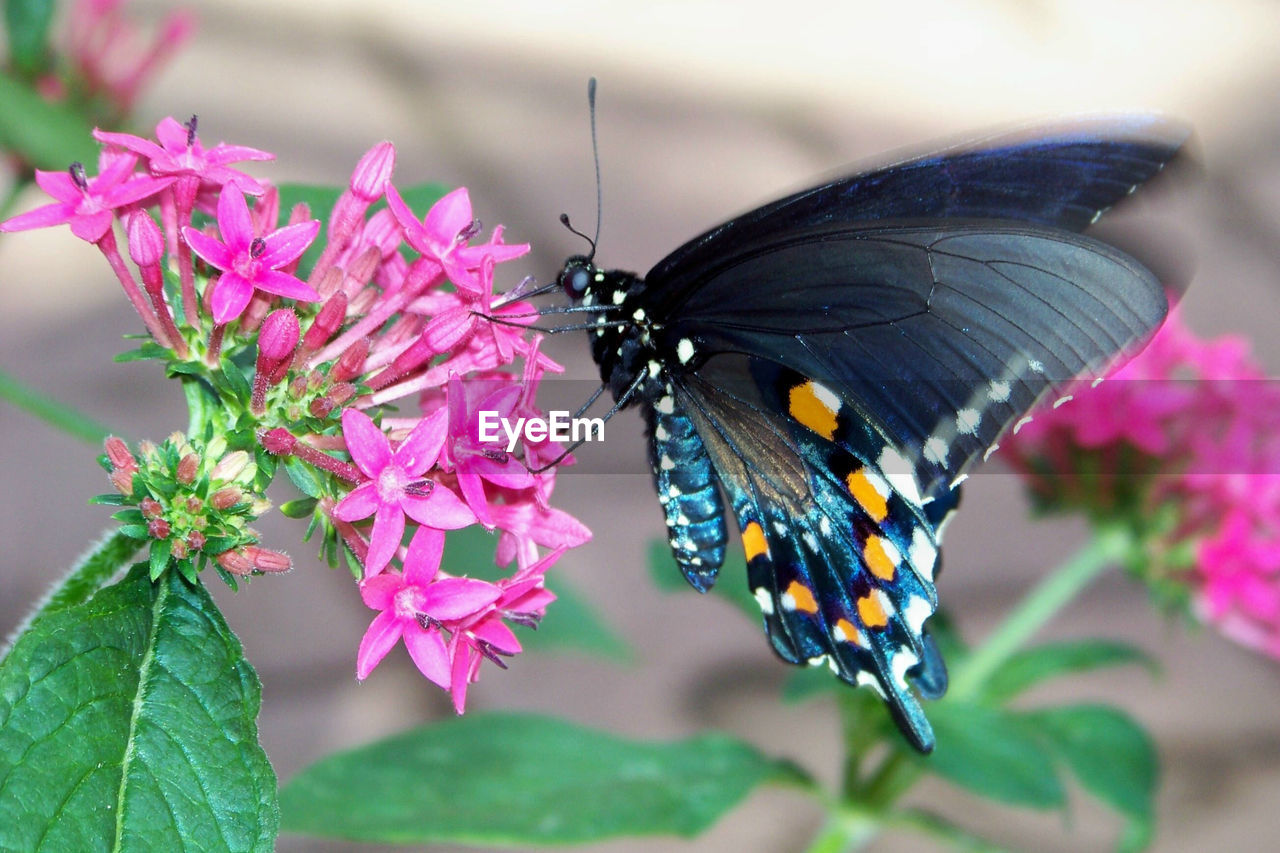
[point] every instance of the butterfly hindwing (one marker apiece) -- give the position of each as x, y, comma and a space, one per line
840, 562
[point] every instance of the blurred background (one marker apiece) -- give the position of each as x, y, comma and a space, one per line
705, 109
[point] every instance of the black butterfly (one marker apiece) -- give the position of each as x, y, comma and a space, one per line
833, 362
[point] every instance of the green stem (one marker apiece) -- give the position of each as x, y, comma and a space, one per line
845, 831
1040, 605
71, 421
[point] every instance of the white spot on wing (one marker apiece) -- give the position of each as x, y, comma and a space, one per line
828, 398
897, 470
684, 350
999, 392
967, 421
1020, 424
666, 405
935, 450
866, 679
916, 612
765, 600
992, 449
901, 662
923, 554
1064, 399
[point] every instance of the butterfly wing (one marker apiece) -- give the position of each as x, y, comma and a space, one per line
841, 564
940, 336
1060, 177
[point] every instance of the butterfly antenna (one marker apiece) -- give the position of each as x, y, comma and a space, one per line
595, 156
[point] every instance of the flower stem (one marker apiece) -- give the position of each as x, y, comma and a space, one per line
1038, 607
71, 421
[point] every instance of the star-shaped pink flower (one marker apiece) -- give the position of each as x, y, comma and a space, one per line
250, 262
87, 204
180, 153
442, 237
397, 485
474, 460
416, 605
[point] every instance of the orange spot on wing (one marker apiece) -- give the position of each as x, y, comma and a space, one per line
753, 542
878, 559
866, 495
804, 405
871, 613
847, 631
803, 597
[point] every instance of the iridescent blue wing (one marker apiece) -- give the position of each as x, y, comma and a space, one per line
1056, 176
841, 563
939, 336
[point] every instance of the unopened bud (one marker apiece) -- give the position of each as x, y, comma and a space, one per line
278, 441
188, 467
351, 363
369, 180
235, 562
226, 498
158, 528
150, 508
266, 560
230, 466
278, 336
118, 454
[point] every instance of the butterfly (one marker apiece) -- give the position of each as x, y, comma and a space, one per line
827, 368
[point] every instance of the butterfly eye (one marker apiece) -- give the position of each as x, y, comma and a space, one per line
575, 278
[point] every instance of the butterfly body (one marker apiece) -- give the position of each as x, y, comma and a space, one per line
829, 366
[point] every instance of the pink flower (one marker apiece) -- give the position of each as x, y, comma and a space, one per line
416, 606
250, 262
444, 234
523, 600
87, 204
397, 485
1182, 445
474, 460
180, 153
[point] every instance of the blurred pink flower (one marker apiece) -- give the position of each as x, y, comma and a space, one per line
1183, 445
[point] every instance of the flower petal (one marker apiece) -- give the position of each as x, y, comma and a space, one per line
231, 295
234, 222
447, 218
360, 502
383, 633
209, 249
42, 217
366, 443
429, 654
422, 561
421, 448
451, 599
441, 509
286, 245
388, 530
283, 284
379, 592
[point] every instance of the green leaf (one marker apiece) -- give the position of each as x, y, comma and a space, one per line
571, 623
321, 199
70, 420
127, 723
1111, 755
300, 508
304, 477
517, 779
1040, 663
27, 22
992, 753
732, 586
46, 135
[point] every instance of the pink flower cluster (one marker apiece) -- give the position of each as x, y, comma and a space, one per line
110, 57
371, 324
1183, 441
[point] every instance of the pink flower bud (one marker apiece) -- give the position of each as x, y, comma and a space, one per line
188, 467
369, 180
278, 441
158, 528
327, 321
150, 508
118, 454
351, 363
226, 498
195, 540
265, 560
146, 243
279, 335
235, 562
230, 466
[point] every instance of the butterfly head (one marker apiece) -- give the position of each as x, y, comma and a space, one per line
577, 276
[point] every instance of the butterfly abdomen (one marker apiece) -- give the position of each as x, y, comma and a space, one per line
689, 493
